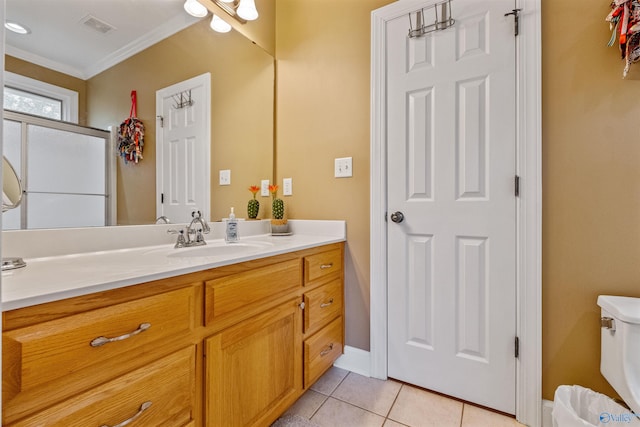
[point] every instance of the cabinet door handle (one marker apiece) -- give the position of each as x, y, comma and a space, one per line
326, 304
325, 266
137, 415
100, 341
326, 350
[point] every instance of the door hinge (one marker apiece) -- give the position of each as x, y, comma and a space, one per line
517, 186
161, 121
385, 217
161, 198
516, 20
517, 348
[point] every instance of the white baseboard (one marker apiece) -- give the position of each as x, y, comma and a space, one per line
355, 360
547, 407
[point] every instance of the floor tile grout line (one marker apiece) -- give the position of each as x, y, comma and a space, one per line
462, 414
327, 396
394, 402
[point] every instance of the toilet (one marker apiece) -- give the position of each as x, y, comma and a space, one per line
620, 346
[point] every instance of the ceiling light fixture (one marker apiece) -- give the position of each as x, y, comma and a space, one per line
247, 10
220, 25
194, 8
16, 27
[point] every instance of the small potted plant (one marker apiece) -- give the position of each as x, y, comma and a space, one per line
278, 222
254, 205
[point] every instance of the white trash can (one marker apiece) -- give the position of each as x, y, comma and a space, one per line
575, 406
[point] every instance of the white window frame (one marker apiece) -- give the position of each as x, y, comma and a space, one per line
69, 98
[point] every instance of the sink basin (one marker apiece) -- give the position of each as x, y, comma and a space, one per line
220, 249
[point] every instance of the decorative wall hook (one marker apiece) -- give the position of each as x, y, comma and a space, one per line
442, 20
182, 99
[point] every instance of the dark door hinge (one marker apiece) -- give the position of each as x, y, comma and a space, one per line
161, 198
161, 121
385, 217
517, 186
517, 347
516, 20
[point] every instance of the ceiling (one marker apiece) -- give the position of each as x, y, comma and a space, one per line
60, 39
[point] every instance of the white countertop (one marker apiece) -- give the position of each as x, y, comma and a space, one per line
52, 278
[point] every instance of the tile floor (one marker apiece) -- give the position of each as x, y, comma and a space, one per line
342, 398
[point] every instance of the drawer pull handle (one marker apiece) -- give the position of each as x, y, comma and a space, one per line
325, 266
100, 341
138, 414
326, 304
326, 350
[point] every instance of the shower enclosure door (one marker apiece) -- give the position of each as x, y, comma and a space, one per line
451, 132
65, 171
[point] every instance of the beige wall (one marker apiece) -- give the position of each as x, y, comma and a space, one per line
242, 84
591, 188
322, 47
46, 75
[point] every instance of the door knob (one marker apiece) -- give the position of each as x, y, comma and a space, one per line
397, 217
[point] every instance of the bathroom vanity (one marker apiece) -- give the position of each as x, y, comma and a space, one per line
215, 341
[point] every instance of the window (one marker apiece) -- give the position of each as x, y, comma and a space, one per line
30, 96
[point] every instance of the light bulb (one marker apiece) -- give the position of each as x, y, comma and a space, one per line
194, 8
220, 25
247, 10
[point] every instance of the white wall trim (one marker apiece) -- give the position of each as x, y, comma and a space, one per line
355, 360
529, 286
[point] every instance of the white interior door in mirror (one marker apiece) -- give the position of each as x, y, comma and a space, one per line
183, 147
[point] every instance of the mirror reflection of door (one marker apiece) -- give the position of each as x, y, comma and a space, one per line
183, 147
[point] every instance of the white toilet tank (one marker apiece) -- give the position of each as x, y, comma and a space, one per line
620, 346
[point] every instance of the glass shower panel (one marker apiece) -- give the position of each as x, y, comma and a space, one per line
65, 162
52, 210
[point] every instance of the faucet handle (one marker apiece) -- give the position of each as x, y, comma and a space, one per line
181, 242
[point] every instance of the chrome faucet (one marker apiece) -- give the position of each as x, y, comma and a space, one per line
184, 239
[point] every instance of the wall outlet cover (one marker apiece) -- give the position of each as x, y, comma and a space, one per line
225, 177
264, 188
344, 167
287, 187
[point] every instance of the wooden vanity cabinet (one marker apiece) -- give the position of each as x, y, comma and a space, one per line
230, 346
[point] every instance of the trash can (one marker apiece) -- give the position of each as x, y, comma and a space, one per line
575, 406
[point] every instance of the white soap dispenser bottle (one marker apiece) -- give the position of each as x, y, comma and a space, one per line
232, 228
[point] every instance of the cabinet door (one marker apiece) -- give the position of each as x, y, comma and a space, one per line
254, 369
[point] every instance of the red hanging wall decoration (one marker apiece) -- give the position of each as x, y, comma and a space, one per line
131, 134
624, 21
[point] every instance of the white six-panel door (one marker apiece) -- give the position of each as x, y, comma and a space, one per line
451, 165
183, 149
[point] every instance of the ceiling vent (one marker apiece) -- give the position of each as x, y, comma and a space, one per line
97, 24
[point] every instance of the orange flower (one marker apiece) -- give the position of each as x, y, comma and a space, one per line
273, 189
254, 190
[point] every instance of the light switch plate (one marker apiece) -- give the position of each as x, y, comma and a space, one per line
344, 167
264, 188
225, 177
287, 187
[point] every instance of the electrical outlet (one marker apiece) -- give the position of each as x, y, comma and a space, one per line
264, 188
225, 177
287, 187
344, 167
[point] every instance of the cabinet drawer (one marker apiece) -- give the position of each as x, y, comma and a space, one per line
322, 305
52, 350
321, 350
323, 266
242, 294
168, 384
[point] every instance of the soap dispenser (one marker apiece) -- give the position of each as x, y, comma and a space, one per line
232, 228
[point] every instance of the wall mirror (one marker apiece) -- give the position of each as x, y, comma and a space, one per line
242, 87
11, 187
